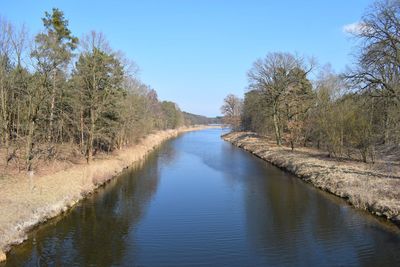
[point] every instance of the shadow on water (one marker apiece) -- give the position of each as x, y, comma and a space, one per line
292, 222
201, 201
95, 232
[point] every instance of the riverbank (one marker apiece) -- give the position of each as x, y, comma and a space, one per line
28, 201
371, 187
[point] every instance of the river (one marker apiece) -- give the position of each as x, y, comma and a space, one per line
200, 201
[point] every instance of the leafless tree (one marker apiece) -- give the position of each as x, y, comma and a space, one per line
232, 110
277, 76
378, 60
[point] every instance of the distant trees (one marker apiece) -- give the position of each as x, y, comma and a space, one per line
173, 115
343, 114
232, 109
193, 119
53, 109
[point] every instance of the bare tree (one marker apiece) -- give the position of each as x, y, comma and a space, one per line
378, 62
5, 80
12, 48
232, 110
277, 76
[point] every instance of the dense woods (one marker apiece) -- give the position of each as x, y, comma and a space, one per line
348, 114
62, 96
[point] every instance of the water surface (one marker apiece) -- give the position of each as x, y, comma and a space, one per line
199, 201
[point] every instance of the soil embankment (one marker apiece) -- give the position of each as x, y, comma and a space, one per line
372, 187
27, 202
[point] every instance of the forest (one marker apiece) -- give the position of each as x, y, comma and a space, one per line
61, 96
350, 115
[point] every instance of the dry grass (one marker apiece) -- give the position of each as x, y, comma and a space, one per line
372, 187
29, 200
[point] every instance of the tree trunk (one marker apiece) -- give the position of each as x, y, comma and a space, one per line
29, 145
364, 154
81, 126
52, 106
341, 141
5, 119
18, 122
386, 131
276, 125
6, 141
6, 134
89, 151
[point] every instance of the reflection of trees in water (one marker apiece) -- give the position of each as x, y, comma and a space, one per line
273, 204
276, 210
96, 232
233, 165
167, 152
286, 222
290, 222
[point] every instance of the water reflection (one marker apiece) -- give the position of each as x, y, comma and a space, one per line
200, 201
95, 233
292, 222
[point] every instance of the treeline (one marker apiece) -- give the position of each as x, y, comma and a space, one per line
194, 119
346, 113
57, 91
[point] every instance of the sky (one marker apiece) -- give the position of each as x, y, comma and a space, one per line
195, 52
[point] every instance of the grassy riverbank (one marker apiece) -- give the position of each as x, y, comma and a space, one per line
28, 201
372, 187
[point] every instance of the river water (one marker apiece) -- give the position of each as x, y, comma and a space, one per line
199, 201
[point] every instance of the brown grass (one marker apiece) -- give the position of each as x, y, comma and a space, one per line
372, 187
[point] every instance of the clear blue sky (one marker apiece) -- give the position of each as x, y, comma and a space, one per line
196, 52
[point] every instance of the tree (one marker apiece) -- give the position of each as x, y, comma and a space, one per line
99, 76
13, 85
96, 105
255, 115
358, 125
325, 120
297, 102
173, 117
5, 82
278, 77
378, 62
53, 52
232, 110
